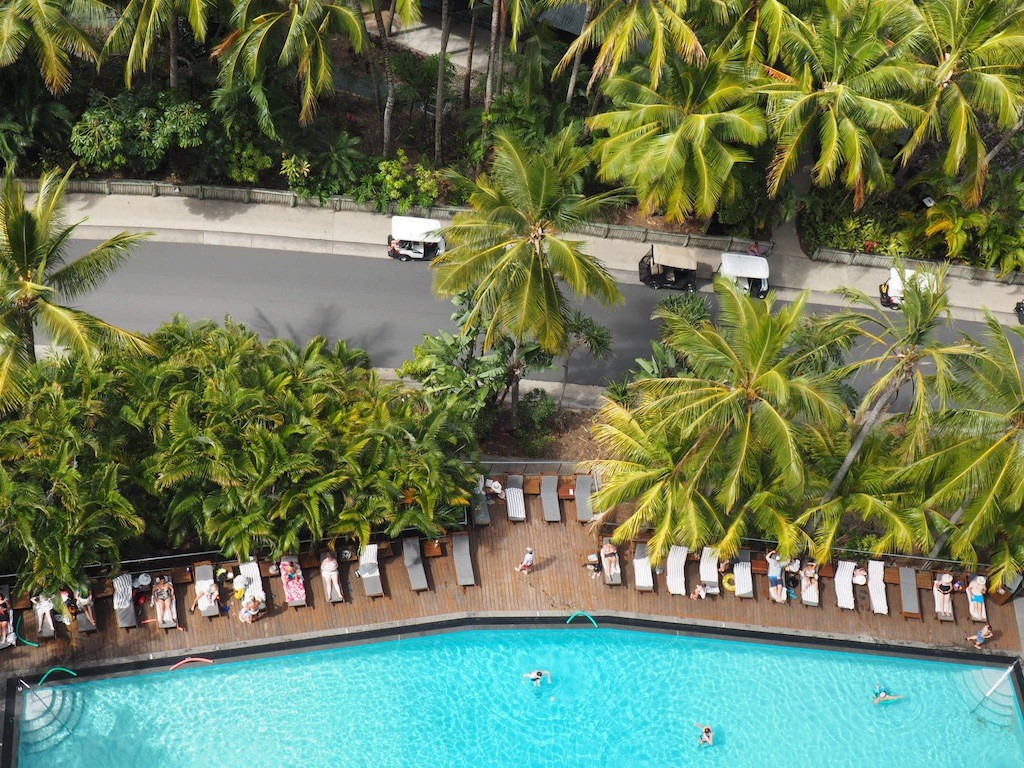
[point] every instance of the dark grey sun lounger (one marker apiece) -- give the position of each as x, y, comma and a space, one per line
549, 498
909, 596
414, 564
124, 603
463, 560
481, 514
369, 571
584, 509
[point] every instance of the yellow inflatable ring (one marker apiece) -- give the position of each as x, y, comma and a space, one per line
729, 582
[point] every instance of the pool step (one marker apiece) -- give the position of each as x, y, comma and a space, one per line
49, 716
1001, 707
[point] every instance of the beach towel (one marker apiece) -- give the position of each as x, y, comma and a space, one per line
294, 589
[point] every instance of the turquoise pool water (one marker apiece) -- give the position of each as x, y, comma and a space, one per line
619, 698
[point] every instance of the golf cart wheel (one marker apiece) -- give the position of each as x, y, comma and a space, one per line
403, 257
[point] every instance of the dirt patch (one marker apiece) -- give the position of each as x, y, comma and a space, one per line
632, 217
572, 440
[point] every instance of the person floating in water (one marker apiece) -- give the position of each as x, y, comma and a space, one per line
537, 675
707, 736
881, 695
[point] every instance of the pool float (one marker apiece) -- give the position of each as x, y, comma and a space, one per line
729, 582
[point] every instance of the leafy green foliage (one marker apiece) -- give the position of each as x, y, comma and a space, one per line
534, 430
324, 166
246, 161
401, 183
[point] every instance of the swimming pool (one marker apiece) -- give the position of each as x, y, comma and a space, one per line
618, 698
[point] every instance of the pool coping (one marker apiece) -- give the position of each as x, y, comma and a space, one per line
247, 650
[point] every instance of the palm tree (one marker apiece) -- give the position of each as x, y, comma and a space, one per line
620, 28
584, 333
715, 450
442, 75
408, 11
279, 34
757, 27
141, 25
511, 250
677, 143
36, 276
970, 54
847, 86
53, 31
910, 353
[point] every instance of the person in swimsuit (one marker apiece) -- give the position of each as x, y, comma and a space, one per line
212, 597
290, 572
537, 675
84, 598
163, 599
882, 695
5, 618
984, 635
329, 574
775, 586
250, 611
707, 736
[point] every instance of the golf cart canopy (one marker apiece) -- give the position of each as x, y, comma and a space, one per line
414, 230
738, 265
896, 281
674, 256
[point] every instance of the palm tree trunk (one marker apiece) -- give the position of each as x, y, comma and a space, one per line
389, 76
565, 376
468, 82
442, 72
1005, 139
172, 49
587, 13
940, 542
391, 17
501, 49
27, 332
516, 371
858, 442
372, 62
489, 87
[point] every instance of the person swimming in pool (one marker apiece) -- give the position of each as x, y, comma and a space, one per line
707, 736
881, 695
537, 675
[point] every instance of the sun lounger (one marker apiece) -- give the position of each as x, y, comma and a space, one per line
676, 570
642, 574
911, 602
463, 560
514, 501
844, 584
332, 586
611, 566
172, 621
294, 589
249, 573
204, 580
876, 587
124, 605
743, 575
709, 570
584, 507
11, 639
549, 498
976, 599
414, 564
809, 594
42, 606
481, 510
369, 571
943, 601
85, 625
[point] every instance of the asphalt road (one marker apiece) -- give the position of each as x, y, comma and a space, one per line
379, 305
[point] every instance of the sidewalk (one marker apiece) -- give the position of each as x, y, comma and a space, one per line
346, 233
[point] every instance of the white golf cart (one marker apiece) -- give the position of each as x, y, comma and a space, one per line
414, 238
667, 266
890, 293
749, 273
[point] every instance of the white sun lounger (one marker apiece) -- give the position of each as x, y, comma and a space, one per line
84, 624
204, 578
481, 511
709, 570
299, 602
12, 638
124, 606
414, 563
809, 593
463, 560
584, 506
42, 606
876, 587
743, 575
331, 591
369, 571
612, 568
514, 501
250, 571
675, 570
549, 499
642, 574
844, 584
976, 607
173, 622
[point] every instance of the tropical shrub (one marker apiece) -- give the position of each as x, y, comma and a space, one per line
401, 183
535, 428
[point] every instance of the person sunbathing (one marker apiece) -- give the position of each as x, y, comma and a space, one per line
329, 573
250, 612
5, 618
610, 556
289, 571
84, 598
163, 599
210, 596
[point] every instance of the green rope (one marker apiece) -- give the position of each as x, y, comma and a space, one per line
17, 634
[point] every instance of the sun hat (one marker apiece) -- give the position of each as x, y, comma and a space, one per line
982, 580
946, 578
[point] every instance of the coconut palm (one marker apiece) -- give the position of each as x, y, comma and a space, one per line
757, 27
53, 31
511, 250
847, 85
271, 34
677, 143
970, 54
141, 26
716, 450
37, 275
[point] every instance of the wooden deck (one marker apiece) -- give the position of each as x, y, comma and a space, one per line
559, 583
